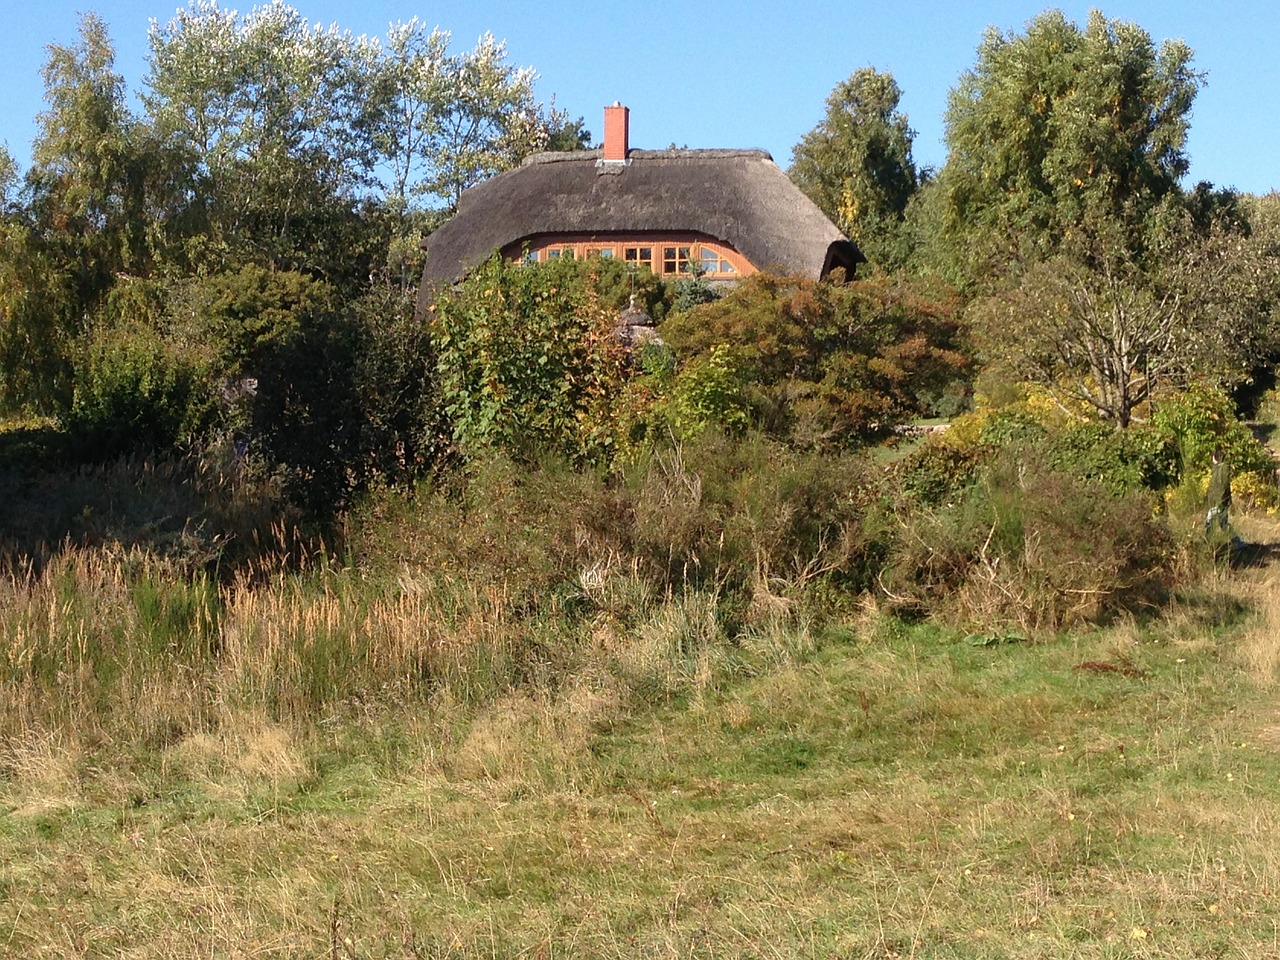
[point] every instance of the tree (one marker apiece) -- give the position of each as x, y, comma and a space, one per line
857, 166
456, 119
81, 226
1101, 326
8, 180
313, 149
85, 195
36, 328
441, 122
1059, 126
273, 118
567, 135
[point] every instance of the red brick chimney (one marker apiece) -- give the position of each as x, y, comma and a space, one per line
616, 133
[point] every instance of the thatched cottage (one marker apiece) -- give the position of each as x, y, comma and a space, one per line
732, 212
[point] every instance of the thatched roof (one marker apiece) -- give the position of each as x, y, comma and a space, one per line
739, 197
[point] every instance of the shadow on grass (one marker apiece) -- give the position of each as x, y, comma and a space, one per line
1244, 556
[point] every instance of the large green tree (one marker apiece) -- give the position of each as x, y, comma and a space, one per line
443, 121
86, 197
272, 117
1057, 126
857, 165
314, 149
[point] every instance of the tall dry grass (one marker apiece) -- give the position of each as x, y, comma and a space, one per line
113, 646
522, 588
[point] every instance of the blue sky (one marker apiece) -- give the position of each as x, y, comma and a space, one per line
747, 73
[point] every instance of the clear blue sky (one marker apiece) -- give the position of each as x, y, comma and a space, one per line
741, 74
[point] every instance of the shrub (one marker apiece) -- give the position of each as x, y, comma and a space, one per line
1034, 547
1202, 418
937, 470
752, 513
1140, 457
395, 387
527, 361
135, 393
345, 393
708, 392
829, 365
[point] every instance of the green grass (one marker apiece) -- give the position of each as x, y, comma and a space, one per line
889, 791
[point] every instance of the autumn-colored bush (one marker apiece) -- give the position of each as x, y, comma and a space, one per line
829, 365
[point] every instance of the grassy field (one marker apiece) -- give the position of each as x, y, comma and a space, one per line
876, 790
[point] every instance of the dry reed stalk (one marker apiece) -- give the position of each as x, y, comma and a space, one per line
1259, 645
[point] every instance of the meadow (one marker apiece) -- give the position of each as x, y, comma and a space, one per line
382, 751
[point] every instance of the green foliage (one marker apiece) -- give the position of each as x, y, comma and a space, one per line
1107, 326
283, 128
527, 360
84, 173
936, 471
689, 292
82, 224
827, 365
399, 406
753, 514
134, 393
1140, 458
343, 395
1034, 548
856, 165
740, 516
36, 325
1150, 458
250, 313
710, 391
1201, 419
1058, 126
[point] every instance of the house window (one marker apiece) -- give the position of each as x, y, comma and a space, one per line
636, 256
555, 253
675, 259
604, 253
714, 263
530, 256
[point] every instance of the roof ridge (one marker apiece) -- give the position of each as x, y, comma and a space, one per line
678, 153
